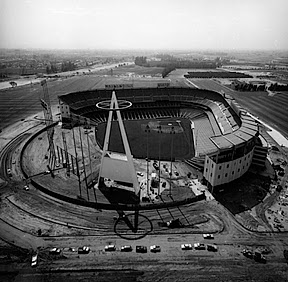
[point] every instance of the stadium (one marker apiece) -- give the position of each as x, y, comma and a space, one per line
202, 128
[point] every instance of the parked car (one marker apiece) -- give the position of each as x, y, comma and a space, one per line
34, 260
55, 251
247, 253
264, 250
208, 236
212, 248
110, 248
9, 172
199, 246
141, 249
126, 249
140, 174
83, 250
285, 254
186, 247
174, 223
155, 249
26, 187
259, 257
156, 166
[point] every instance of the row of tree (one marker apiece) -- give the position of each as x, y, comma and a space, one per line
176, 63
68, 66
141, 61
216, 74
65, 66
278, 87
243, 86
51, 69
249, 87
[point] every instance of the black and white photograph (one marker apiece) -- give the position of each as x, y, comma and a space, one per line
144, 141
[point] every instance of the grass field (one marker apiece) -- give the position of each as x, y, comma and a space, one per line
270, 109
179, 143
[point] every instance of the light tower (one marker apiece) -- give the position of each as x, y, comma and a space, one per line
45, 102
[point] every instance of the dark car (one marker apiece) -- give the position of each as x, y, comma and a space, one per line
247, 253
285, 254
83, 250
212, 248
259, 257
141, 249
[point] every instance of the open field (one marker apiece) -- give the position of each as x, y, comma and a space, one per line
139, 139
270, 109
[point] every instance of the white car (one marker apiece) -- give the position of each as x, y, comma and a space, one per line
155, 249
110, 248
208, 236
9, 172
55, 251
26, 187
199, 246
126, 249
34, 260
186, 247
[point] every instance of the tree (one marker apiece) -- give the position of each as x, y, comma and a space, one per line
141, 61
48, 70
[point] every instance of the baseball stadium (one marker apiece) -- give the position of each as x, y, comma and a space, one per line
201, 128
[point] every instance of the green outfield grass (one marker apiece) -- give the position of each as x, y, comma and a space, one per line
174, 131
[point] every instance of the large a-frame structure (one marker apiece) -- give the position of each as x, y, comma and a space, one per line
117, 170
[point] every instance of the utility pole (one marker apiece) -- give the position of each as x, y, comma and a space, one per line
171, 158
159, 131
83, 163
66, 154
77, 166
147, 159
45, 103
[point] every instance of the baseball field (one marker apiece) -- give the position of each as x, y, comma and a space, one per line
152, 138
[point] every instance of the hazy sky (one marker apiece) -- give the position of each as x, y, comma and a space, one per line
146, 24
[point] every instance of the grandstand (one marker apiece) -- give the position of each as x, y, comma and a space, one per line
224, 136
